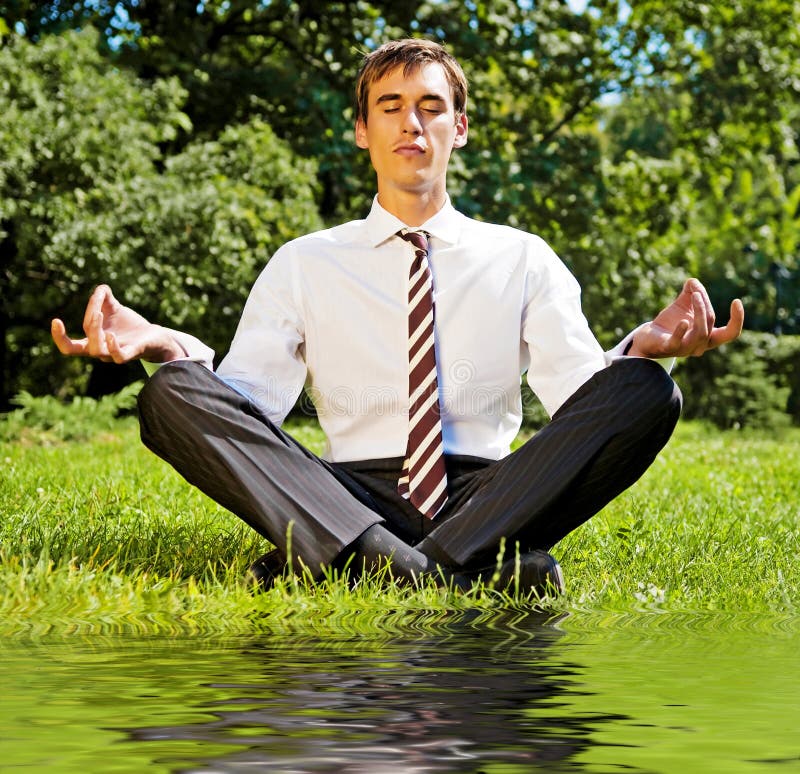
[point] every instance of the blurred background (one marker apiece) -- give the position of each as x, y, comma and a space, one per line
168, 148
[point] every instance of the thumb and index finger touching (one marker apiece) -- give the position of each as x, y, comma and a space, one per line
93, 343
717, 336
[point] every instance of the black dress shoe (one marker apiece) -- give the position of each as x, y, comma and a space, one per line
538, 572
266, 569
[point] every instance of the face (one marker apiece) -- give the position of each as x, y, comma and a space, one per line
411, 130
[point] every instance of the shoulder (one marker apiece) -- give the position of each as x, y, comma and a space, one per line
520, 252
504, 238
342, 234
300, 254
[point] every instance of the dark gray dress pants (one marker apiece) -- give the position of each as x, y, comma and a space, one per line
597, 444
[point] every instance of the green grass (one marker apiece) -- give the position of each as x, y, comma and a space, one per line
100, 535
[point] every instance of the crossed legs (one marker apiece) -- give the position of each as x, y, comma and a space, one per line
597, 445
226, 446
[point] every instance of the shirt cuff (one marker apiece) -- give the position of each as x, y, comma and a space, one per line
621, 350
195, 351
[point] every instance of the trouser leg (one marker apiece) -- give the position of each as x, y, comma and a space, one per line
223, 444
598, 444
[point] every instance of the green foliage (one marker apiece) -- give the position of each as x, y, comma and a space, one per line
87, 195
69, 125
46, 419
690, 169
534, 415
754, 383
733, 221
717, 105
785, 365
186, 245
534, 67
630, 259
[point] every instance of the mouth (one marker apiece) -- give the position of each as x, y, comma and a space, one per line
418, 147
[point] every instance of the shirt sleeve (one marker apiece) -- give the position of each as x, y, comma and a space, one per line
563, 352
266, 360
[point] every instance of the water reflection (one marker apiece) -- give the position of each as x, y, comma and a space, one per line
644, 694
450, 703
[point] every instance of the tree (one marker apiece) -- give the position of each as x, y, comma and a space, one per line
187, 244
87, 194
68, 123
692, 168
536, 71
709, 140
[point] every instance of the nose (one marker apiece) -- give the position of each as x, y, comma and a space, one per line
412, 124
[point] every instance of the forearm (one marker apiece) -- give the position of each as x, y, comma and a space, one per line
627, 348
180, 346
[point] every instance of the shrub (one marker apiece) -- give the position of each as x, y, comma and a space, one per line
101, 180
46, 418
534, 416
753, 382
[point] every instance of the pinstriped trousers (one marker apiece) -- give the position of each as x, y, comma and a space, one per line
597, 444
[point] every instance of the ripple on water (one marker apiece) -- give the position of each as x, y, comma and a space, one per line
514, 691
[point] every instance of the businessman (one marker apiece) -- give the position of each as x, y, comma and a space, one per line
411, 329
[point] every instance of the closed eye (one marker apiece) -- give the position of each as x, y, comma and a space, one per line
433, 104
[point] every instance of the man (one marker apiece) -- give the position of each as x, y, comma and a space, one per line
411, 329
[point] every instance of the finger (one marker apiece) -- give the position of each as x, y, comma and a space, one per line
737, 314
684, 299
112, 345
675, 345
65, 344
695, 340
100, 295
733, 329
96, 337
117, 353
698, 287
704, 322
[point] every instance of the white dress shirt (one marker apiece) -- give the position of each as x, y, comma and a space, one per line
330, 310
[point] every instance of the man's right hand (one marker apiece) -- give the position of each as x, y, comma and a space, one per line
115, 333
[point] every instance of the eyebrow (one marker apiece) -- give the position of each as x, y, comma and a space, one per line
425, 98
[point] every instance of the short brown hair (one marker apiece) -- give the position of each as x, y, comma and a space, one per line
409, 53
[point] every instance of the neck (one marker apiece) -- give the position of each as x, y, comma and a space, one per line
411, 207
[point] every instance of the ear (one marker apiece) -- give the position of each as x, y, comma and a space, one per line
361, 134
461, 131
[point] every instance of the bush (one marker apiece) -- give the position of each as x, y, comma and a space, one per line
753, 382
534, 415
101, 181
45, 419
785, 363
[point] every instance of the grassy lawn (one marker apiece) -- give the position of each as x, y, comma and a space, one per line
100, 535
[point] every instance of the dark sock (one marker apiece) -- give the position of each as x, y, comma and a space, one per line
377, 546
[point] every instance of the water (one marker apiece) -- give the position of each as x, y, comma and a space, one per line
649, 693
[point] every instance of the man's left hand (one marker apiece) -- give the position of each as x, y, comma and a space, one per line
686, 327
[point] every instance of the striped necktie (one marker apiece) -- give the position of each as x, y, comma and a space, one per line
424, 477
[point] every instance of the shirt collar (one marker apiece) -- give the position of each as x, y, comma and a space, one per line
444, 225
